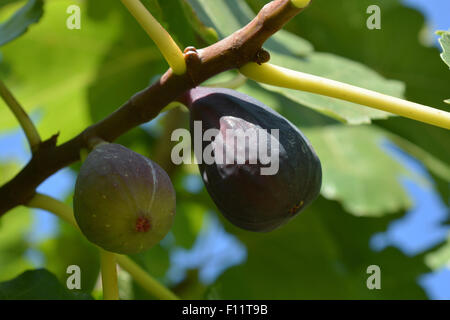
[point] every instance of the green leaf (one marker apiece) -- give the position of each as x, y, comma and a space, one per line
340, 69
440, 257
14, 229
154, 261
130, 63
126, 66
357, 172
70, 247
53, 84
188, 223
225, 16
37, 284
179, 26
229, 16
18, 24
395, 52
207, 34
444, 40
285, 49
7, 2
323, 253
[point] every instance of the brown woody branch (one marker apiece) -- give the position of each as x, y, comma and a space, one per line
241, 47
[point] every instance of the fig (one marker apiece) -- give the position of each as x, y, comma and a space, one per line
123, 201
246, 190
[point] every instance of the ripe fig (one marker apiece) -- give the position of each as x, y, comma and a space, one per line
123, 202
246, 192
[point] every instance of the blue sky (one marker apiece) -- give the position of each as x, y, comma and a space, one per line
437, 12
418, 230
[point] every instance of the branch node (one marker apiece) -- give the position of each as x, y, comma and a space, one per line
262, 56
193, 61
48, 144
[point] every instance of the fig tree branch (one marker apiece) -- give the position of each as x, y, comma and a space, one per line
233, 52
25, 122
282, 77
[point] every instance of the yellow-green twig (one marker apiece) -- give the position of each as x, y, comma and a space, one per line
169, 49
27, 125
300, 3
144, 279
65, 212
282, 77
62, 210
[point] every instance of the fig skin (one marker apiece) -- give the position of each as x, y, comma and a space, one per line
123, 201
249, 200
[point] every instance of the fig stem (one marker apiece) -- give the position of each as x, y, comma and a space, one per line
27, 125
168, 47
65, 212
286, 78
109, 275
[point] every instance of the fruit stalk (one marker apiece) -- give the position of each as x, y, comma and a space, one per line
286, 78
65, 212
169, 49
60, 209
27, 125
109, 275
144, 279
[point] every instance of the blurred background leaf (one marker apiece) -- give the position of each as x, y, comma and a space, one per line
315, 257
363, 186
19, 22
395, 52
295, 53
14, 228
14, 243
37, 284
445, 43
440, 257
68, 248
52, 85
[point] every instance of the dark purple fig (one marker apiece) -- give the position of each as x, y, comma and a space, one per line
123, 202
252, 194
